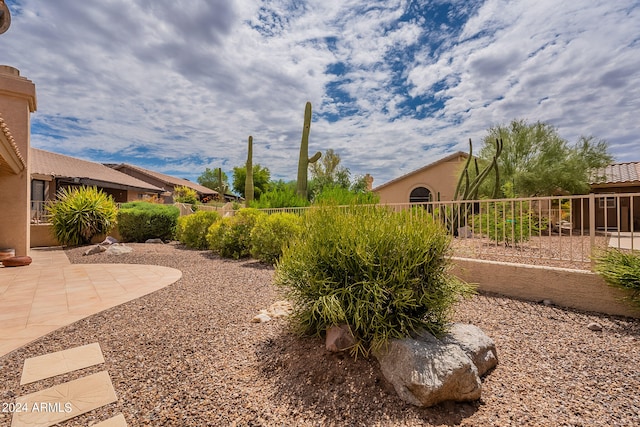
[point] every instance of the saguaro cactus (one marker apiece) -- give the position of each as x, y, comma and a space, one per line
303, 163
248, 182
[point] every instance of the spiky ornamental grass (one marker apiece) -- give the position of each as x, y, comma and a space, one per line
383, 273
80, 213
621, 269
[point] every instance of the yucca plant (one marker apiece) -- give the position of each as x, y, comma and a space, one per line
385, 274
621, 269
80, 213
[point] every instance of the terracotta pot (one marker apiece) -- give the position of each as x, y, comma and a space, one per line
16, 261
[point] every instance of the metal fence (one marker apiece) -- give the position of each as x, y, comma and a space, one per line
553, 231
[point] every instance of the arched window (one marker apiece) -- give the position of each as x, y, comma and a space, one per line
420, 195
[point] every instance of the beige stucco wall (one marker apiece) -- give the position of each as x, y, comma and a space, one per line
42, 236
17, 102
440, 178
577, 289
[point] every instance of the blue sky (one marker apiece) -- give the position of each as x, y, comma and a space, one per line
178, 86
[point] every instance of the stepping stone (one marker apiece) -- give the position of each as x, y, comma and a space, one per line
61, 362
117, 421
53, 405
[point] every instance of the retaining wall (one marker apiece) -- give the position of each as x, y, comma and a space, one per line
577, 289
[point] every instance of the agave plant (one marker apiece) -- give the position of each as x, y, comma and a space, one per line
81, 213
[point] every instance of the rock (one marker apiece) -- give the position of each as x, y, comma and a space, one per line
277, 310
109, 241
594, 326
261, 318
547, 302
465, 232
339, 338
95, 250
118, 249
159, 241
280, 309
425, 371
475, 343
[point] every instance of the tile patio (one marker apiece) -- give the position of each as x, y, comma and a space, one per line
52, 292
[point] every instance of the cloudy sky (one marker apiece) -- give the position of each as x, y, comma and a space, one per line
178, 86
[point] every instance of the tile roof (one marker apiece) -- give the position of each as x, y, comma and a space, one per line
167, 179
60, 166
617, 173
448, 158
12, 143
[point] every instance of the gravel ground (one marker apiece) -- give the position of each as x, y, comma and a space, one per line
564, 251
187, 355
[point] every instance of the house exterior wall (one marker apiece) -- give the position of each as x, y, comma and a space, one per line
17, 101
608, 216
151, 180
440, 178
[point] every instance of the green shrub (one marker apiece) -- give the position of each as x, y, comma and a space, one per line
283, 197
139, 221
271, 233
384, 274
621, 269
81, 213
231, 237
192, 229
508, 222
336, 195
184, 194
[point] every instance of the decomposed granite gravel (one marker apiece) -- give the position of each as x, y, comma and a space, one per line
188, 355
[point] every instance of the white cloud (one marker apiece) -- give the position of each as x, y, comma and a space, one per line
172, 81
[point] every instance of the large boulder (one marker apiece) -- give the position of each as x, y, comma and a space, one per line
475, 343
426, 371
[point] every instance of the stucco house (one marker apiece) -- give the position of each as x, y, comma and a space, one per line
166, 182
52, 171
619, 210
433, 182
17, 102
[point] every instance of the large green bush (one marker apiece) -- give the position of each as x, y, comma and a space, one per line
384, 274
80, 213
271, 233
231, 237
192, 229
621, 269
336, 195
139, 221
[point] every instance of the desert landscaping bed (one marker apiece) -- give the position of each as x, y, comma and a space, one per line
188, 355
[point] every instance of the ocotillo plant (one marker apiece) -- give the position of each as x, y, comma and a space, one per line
248, 182
303, 163
467, 188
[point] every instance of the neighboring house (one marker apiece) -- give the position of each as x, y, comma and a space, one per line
436, 181
166, 182
17, 102
51, 171
620, 211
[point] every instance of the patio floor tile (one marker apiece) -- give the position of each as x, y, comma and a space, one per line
61, 362
117, 421
65, 401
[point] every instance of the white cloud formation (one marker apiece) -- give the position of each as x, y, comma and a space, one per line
395, 85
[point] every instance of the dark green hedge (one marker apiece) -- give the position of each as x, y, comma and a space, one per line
139, 221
